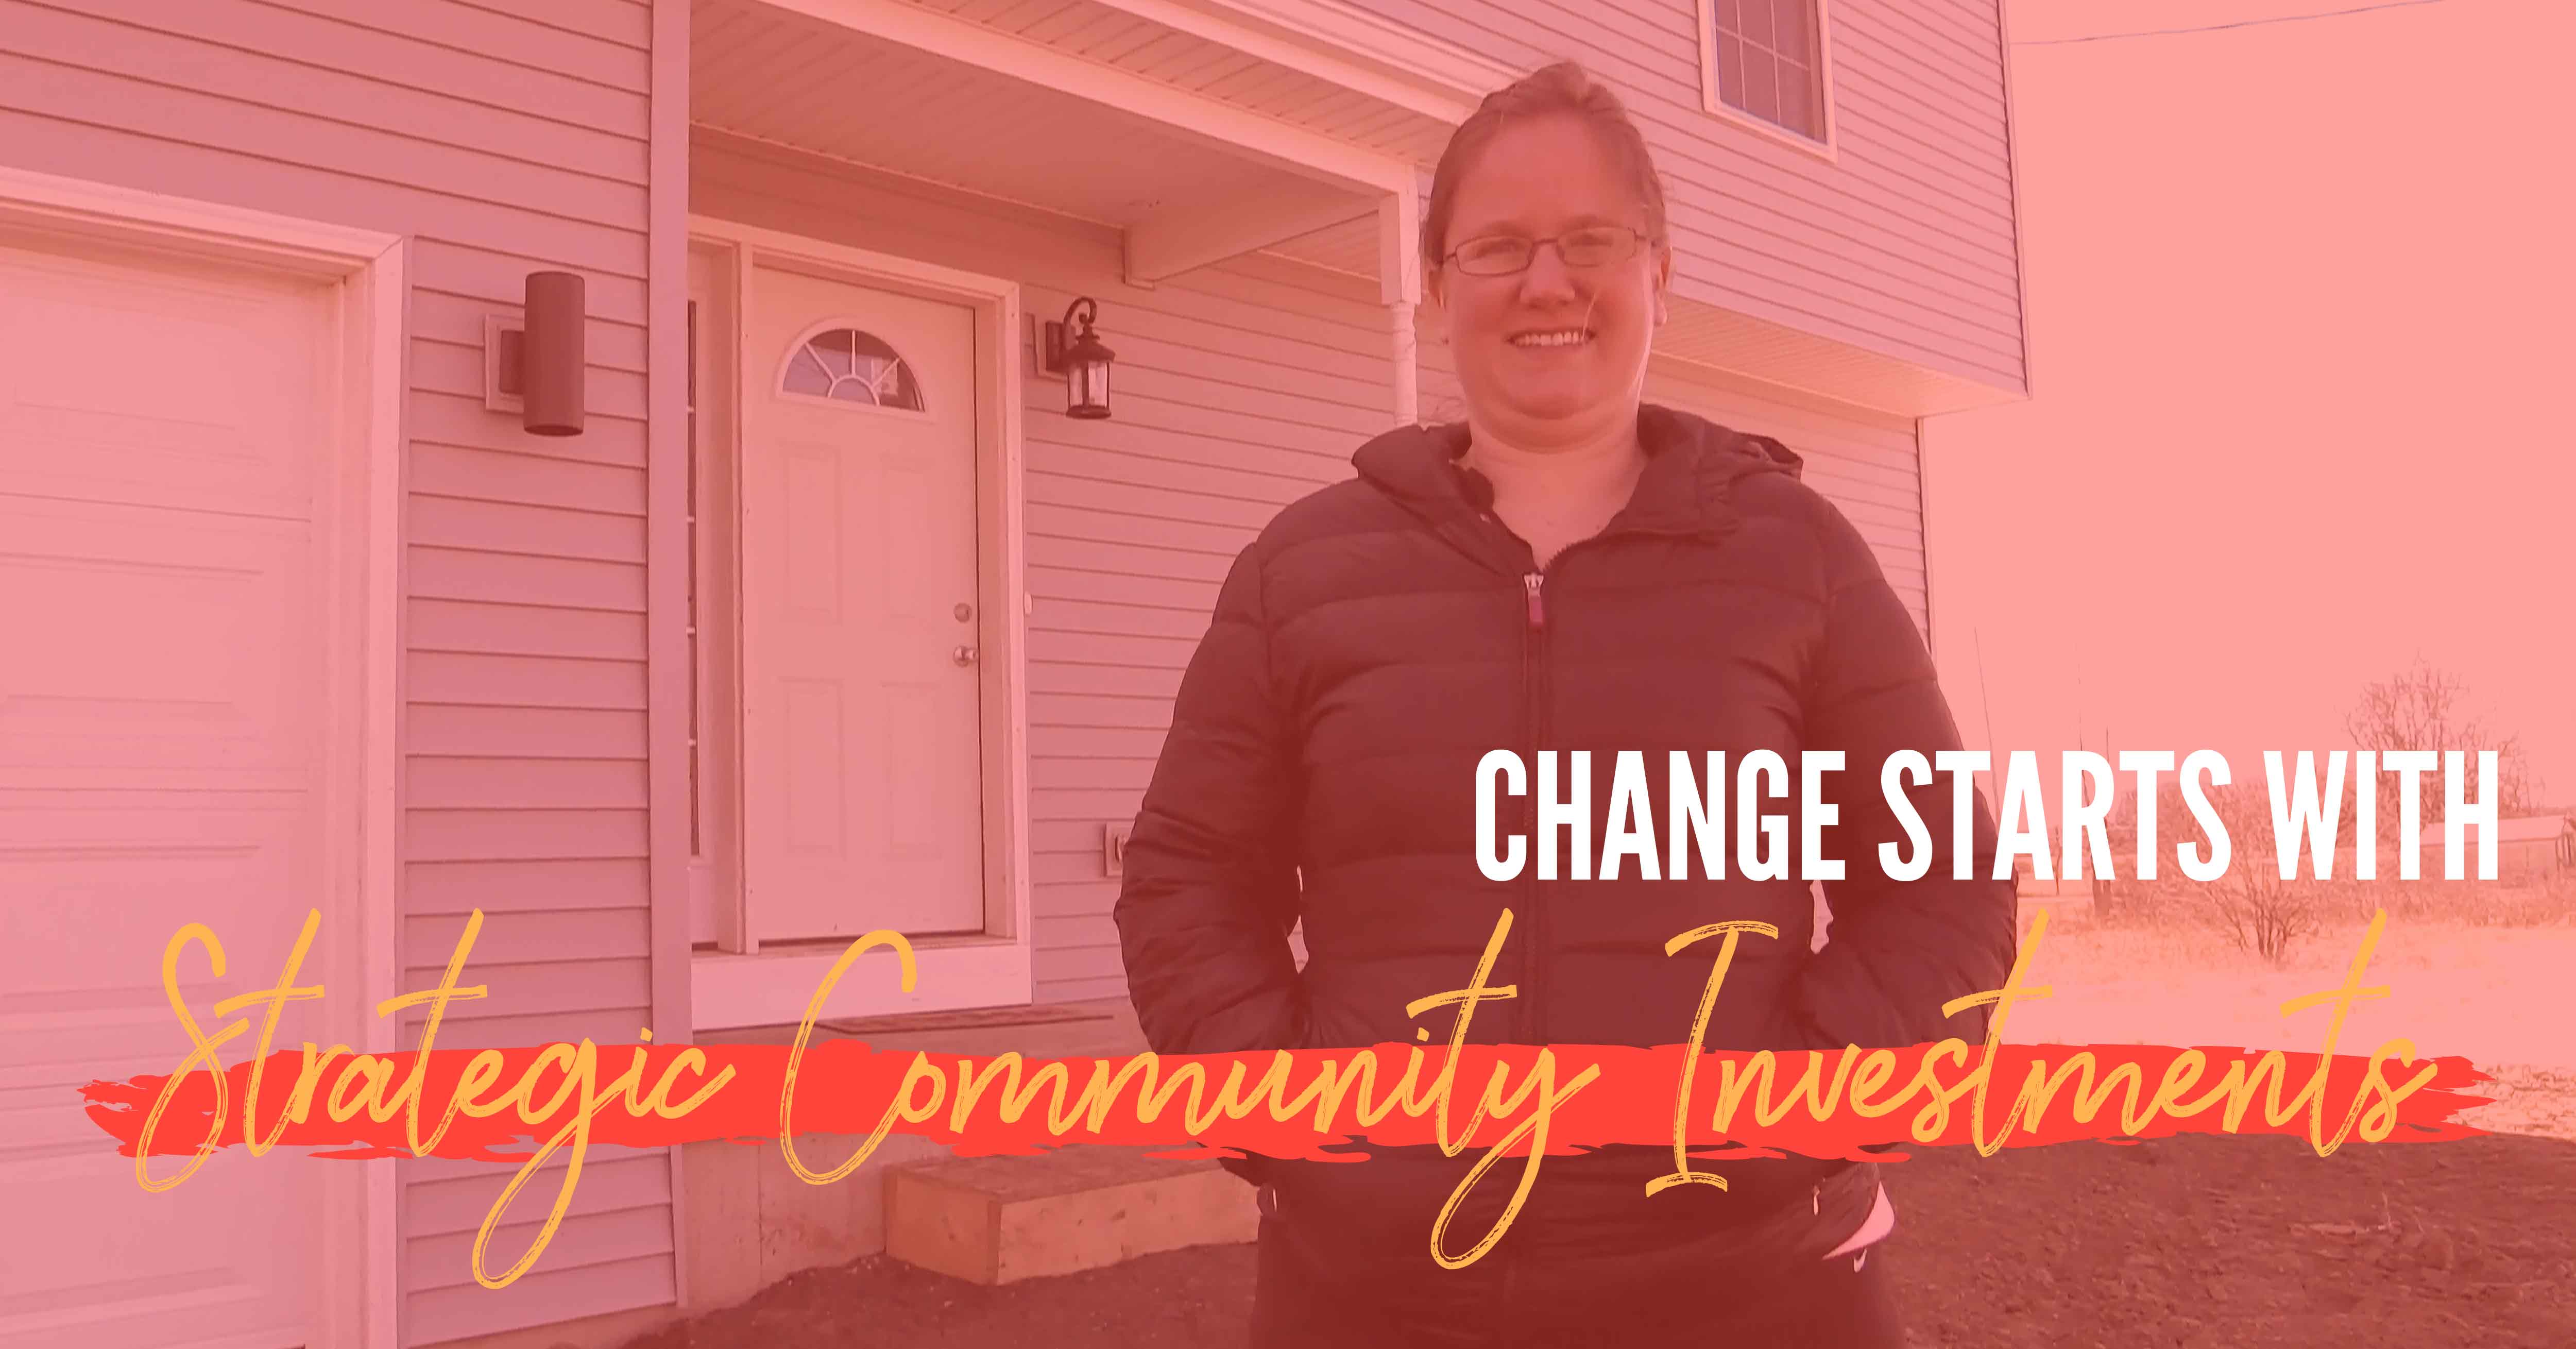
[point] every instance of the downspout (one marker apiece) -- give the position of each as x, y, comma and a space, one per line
1408, 373
1399, 277
2012, 162
1923, 521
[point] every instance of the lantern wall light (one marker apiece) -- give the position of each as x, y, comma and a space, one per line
1076, 354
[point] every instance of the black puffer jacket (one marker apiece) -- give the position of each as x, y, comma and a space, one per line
1369, 647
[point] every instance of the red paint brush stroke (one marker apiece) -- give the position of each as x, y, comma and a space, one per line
844, 1087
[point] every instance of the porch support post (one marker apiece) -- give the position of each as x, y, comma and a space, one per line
1399, 272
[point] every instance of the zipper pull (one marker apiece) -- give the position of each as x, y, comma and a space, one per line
1537, 607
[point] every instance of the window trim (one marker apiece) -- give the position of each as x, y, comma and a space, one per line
1710, 103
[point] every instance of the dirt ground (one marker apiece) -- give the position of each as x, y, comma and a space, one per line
2191, 1242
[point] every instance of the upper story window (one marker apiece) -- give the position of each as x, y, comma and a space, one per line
1764, 61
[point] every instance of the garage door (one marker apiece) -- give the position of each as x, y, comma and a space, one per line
163, 427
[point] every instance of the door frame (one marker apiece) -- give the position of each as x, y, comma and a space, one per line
741, 983
355, 1286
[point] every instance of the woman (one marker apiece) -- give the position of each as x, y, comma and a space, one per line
1569, 568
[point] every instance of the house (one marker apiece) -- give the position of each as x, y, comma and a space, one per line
303, 617
2543, 845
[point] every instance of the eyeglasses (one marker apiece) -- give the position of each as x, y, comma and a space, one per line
1504, 254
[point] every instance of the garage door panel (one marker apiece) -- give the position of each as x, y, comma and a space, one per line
101, 892
229, 1249
119, 384
40, 1119
166, 643
163, 662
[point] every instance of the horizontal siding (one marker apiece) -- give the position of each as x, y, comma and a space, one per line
495, 187
1073, 972
1871, 472
601, 1238
454, 889
524, 732
448, 415
521, 629
1263, 384
522, 528
1904, 244
625, 935
486, 835
464, 271
600, 1025
612, 1252
528, 784
557, 988
549, 1295
499, 139
474, 574
165, 47
525, 476
168, 160
453, 319
467, 679
1083, 988
455, 369
447, 1197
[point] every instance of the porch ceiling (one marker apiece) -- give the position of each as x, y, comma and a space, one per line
1152, 40
792, 80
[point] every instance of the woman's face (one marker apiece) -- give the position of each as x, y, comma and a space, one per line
1537, 179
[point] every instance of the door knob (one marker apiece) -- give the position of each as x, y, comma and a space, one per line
964, 655
964, 612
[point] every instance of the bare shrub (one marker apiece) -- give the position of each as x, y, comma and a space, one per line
2124, 900
2426, 708
2261, 912
2250, 905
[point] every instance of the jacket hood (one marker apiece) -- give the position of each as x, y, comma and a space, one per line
1692, 464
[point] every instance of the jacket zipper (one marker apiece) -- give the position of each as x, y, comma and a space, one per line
1534, 687
1533, 672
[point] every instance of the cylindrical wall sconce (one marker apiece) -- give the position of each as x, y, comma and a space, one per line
553, 367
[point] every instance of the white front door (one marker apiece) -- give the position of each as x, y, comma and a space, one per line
162, 688
862, 647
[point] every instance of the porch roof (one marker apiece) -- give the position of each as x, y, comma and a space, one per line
1190, 125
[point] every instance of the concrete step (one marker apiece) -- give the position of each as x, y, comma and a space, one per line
997, 1220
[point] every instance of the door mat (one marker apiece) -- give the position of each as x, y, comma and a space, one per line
966, 1018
